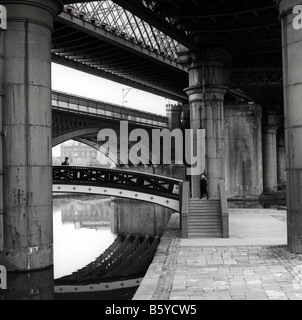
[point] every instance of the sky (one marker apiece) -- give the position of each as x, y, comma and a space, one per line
82, 84
89, 86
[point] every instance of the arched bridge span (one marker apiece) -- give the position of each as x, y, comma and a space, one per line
155, 189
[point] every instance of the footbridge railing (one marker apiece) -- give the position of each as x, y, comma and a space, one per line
151, 188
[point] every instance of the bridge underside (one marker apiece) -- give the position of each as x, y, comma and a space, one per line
250, 32
105, 191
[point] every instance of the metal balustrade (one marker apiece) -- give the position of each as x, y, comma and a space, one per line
121, 183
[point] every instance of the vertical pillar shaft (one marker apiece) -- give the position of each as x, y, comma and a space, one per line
174, 116
185, 120
1, 137
206, 97
281, 173
174, 113
269, 159
290, 15
28, 233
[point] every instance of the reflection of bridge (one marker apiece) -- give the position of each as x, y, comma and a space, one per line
155, 189
122, 265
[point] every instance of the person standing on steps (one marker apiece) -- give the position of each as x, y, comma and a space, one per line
203, 187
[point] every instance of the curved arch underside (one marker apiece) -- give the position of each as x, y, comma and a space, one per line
140, 196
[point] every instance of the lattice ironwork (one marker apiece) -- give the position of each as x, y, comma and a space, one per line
257, 76
118, 179
112, 17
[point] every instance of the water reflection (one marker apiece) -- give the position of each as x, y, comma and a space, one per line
82, 227
82, 231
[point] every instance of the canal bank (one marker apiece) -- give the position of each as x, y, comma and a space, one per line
252, 264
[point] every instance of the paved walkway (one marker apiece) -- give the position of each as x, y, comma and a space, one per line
253, 264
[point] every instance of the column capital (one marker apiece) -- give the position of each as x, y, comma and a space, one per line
286, 7
210, 92
209, 57
270, 129
280, 142
17, 8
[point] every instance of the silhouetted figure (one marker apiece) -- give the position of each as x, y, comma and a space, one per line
65, 163
203, 187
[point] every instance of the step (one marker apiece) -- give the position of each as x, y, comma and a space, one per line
205, 231
202, 226
204, 209
201, 210
194, 220
204, 199
203, 206
204, 203
205, 223
204, 235
198, 216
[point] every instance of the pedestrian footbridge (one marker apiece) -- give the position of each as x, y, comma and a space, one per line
151, 188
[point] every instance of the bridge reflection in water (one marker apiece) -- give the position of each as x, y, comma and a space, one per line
90, 261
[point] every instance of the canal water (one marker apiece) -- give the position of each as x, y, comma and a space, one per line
82, 231
82, 227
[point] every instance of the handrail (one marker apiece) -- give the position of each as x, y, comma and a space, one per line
224, 210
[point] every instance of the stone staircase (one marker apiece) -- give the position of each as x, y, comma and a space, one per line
204, 219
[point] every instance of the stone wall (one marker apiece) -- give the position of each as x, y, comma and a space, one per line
243, 150
138, 217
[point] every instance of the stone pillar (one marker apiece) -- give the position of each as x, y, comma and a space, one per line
27, 142
2, 31
270, 154
243, 150
290, 15
173, 112
281, 172
185, 117
206, 92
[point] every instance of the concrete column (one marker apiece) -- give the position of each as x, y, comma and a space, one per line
206, 92
290, 15
28, 234
281, 172
1, 136
185, 118
270, 154
173, 112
